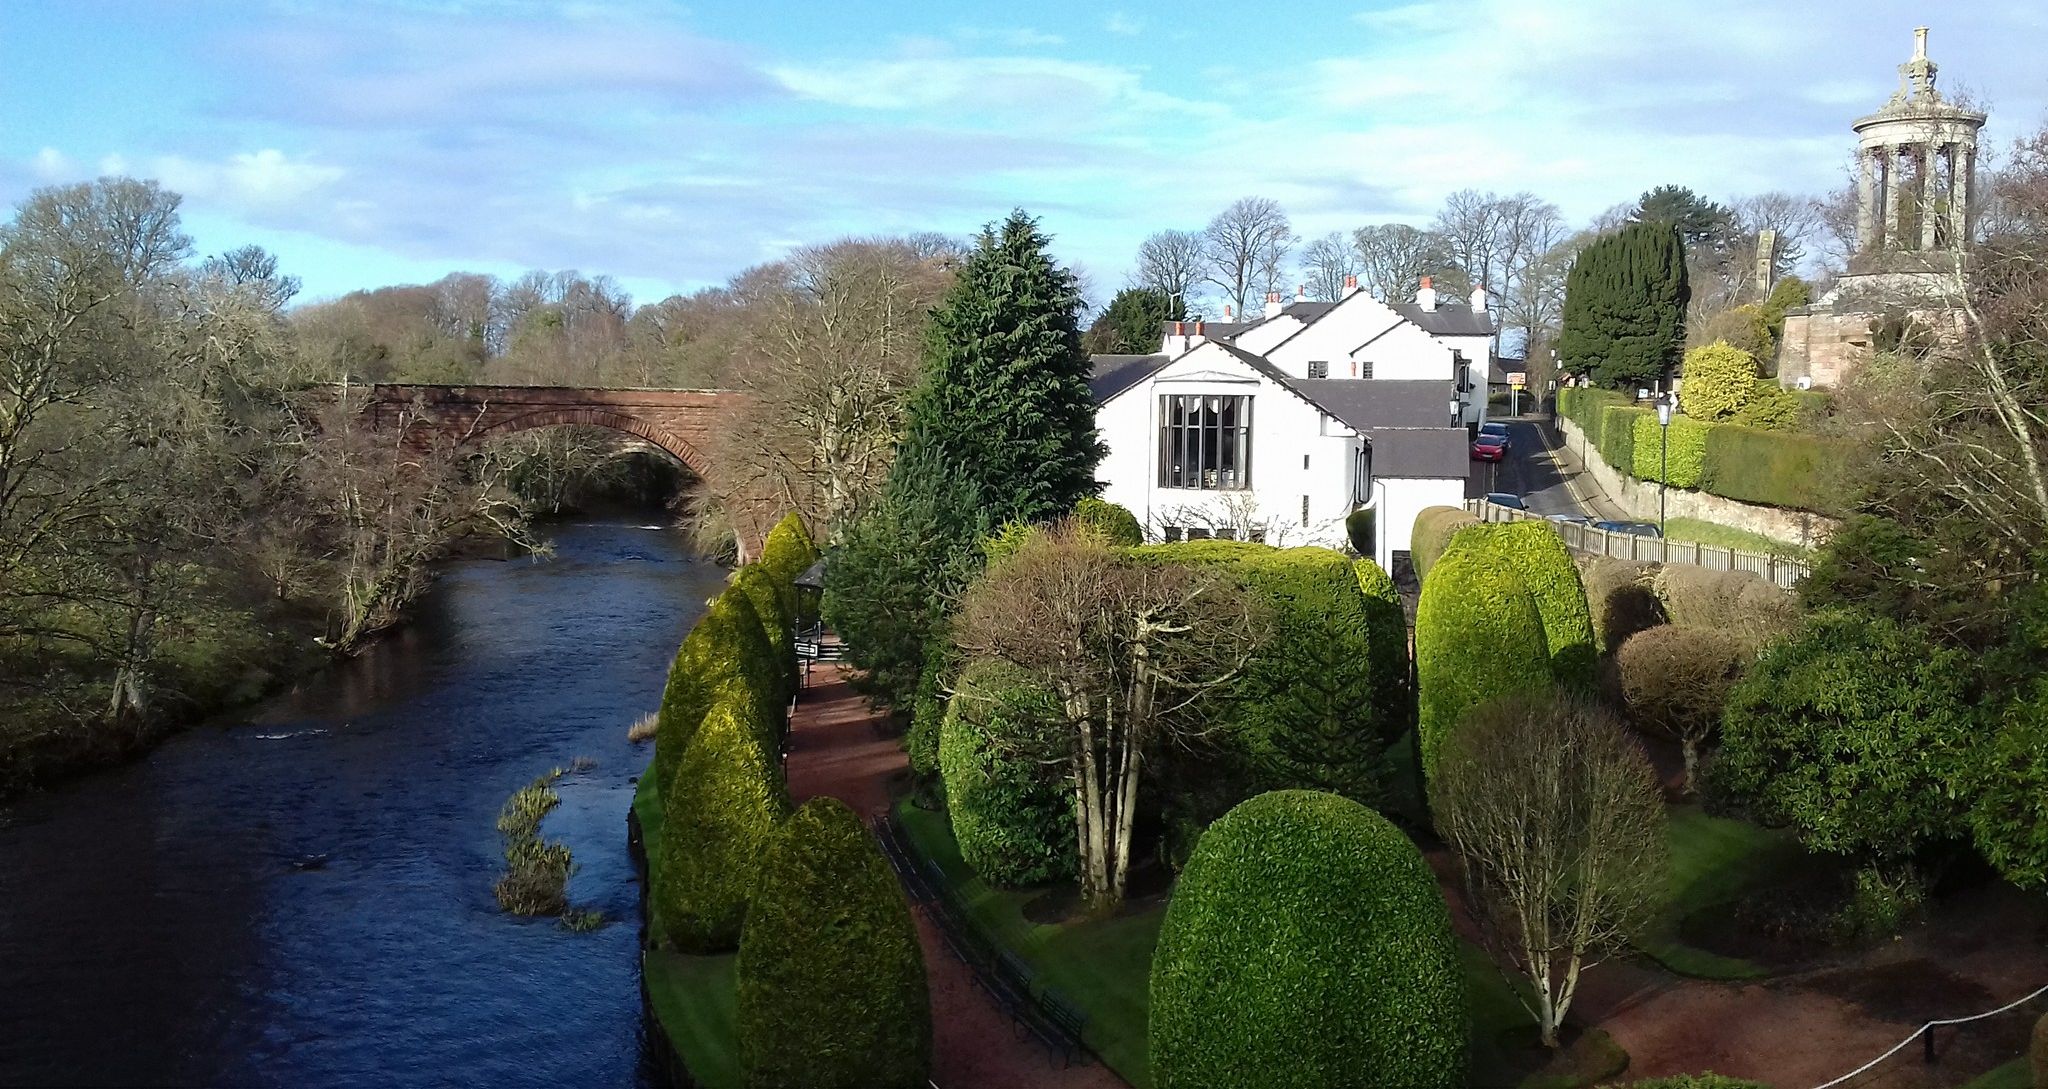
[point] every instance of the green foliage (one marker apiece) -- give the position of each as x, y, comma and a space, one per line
721, 811
1744, 328
1007, 539
1129, 325
1306, 945
928, 707
1432, 534
831, 979
1680, 463
1699, 221
1620, 600
1789, 293
1719, 380
726, 647
1478, 637
1694, 1081
1617, 442
1013, 819
2009, 816
1775, 468
1772, 407
773, 609
1624, 307
1004, 397
1856, 733
788, 552
1114, 524
1539, 556
897, 565
1361, 529
1387, 645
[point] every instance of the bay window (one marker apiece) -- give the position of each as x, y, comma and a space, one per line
1205, 442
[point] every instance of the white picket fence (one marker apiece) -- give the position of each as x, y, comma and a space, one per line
1629, 546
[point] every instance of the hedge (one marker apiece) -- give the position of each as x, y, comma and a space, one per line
1432, 534
1686, 457
1538, 554
1387, 643
1619, 598
775, 611
1617, 443
831, 980
1361, 528
1014, 822
2009, 818
1478, 637
787, 553
1720, 379
1777, 468
1306, 945
928, 707
1740, 603
721, 812
1116, 525
1857, 733
727, 643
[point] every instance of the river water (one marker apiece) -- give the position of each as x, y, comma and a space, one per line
302, 897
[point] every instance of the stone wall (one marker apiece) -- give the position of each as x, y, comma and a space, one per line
1639, 499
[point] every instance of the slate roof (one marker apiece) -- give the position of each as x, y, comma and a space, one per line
1113, 374
1447, 321
1432, 453
1498, 370
1367, 403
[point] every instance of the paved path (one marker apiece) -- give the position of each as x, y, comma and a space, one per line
835, 748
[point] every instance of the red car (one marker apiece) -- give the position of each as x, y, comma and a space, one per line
1491, 444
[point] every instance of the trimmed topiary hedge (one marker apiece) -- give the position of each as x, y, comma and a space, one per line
1540, 557
1361, 528
727, 643
831, 980
1306, 945
1737, 602
1778, 468
1114, 524
1752, 464
1478, 637
1432, 534
1013, 820
928, 708
773, 608
1617, 443
788, 552
1620, 598
1387, 645
722, 808
1686, 457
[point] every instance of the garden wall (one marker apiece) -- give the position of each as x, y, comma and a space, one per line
1639, 499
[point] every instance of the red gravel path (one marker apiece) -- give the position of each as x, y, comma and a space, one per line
835, 749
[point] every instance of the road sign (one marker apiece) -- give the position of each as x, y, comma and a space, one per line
1518, 379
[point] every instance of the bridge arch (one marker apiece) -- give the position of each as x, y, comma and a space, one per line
675, 445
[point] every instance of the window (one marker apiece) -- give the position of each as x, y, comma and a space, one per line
1304, 461
1319, 368
1205, 442
1172, 534
1195, 534
1365, 368
1304, 510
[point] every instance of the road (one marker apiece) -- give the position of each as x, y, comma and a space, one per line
1531, 472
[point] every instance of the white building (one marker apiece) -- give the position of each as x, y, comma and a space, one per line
1277, 429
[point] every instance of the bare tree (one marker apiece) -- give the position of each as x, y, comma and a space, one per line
130, 225
252, 270
1796, 219
1245, 247
1171, 261
1532, 233
1394, 257
1470, 228
1326, 264
1133, 653
1559, 828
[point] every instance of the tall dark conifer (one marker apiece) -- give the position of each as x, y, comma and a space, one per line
1624, 307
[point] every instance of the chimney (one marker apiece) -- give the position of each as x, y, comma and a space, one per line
1226, 311
1300, 292
1425, 296
1272, 304
1479, 299
1350, 286
1201, 328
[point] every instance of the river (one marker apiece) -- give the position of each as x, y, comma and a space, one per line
301, 897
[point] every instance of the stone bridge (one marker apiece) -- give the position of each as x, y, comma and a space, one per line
679, 421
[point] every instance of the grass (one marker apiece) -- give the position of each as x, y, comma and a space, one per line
643, 728
1714, 860
695, 999
536, 879
1720, 536
2013, 1075
1104, 968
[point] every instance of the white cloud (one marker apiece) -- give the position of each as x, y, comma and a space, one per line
52, 165
1123, 24
260, 179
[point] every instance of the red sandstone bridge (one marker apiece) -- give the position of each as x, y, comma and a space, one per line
677, 420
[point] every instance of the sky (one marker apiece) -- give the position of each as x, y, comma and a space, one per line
671, 145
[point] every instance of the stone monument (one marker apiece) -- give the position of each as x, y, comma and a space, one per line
1916, 164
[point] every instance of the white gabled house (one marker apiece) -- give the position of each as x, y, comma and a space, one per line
1277, 429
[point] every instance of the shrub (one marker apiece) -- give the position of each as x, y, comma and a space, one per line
1432, 534
1386, 644
1540, 557
2009, 818
1676, 680
1361, 529
1745, 328
1719, 379
1617, 443
1772, 407
1680, 464
1114, 524
1478, 637
1737, 602
1619, 599
831, 979
787, 553
928, 709
722, 808
777, 620
725, 645
1854, 732
1306, 945
1006, 540
1014, 822
1776, 468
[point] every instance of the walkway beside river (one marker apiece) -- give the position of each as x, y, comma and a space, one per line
836, 748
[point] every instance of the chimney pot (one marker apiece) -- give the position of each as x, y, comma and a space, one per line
1201, 328
1350, 285
1226, 311
1272, 304
1425, 296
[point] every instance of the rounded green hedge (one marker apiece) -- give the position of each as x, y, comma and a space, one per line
1432, 534
1306, 945
778, 622
1676, 454
1719, 379
831, 979
1013, 821
1546, 566
788, 552
1115, 524
1387, 643
721, 812
928, 707
1361, 528
727, 644
1478, 637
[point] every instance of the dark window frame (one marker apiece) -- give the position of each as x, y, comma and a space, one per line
1205, 441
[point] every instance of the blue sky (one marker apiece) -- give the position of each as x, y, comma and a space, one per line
671, 145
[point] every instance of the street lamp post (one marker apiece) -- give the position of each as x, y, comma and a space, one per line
1663, 458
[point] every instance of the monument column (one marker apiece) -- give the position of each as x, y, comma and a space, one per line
1965, 168
1930, 190
1866, 201
1891, 196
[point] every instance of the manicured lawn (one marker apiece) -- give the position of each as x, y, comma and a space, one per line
2013, 1075
694, 998
1103, 968
1720, 536
1713, 860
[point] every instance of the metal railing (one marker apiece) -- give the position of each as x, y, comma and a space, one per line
1582, 537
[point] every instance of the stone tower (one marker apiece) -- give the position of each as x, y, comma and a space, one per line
1916, 167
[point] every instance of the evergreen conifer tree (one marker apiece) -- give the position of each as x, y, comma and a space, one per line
1129, 325
1624, 307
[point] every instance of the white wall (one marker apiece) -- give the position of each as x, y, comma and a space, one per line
1399, 501
1399, 349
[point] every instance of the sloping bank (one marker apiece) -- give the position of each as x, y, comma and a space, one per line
777, 946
